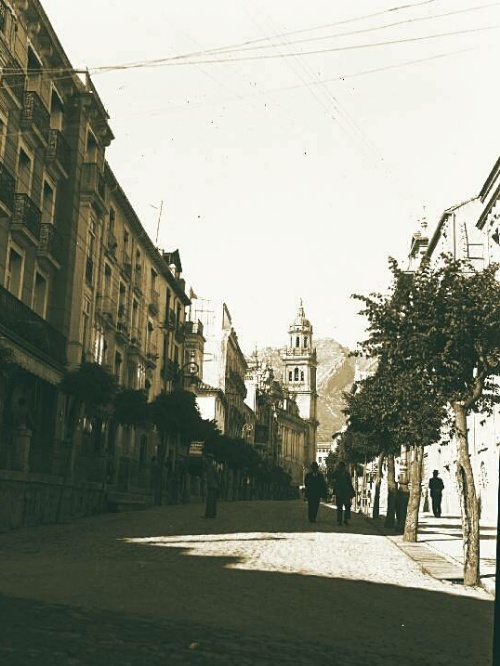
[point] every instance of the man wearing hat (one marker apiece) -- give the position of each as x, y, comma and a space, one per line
212, 487
436, 487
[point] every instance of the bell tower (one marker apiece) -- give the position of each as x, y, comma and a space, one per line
299, 357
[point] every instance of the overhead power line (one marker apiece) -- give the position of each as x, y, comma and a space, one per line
179, 60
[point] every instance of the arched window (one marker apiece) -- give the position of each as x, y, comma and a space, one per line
297, 341
296, 374
301, 375
290, 376
305, 342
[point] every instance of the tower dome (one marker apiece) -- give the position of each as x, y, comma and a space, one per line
300, 323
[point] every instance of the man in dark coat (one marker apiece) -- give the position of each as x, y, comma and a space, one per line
344, 492
436, 487
315, 490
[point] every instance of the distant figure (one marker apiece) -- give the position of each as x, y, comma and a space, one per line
315, 490
436, 487
212, 485
344, 492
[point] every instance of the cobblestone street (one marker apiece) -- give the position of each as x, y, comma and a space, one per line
258, 585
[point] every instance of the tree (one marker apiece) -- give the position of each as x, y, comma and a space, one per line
441, 326
90, 387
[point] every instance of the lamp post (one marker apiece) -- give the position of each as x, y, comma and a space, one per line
189, 372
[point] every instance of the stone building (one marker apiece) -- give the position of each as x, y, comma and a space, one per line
468, 231
299, 358
79, 281
280, 432
221, 394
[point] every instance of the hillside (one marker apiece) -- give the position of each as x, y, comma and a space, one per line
335, 375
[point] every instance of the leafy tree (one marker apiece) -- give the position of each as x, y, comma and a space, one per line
130, 407
441, 326
90, 387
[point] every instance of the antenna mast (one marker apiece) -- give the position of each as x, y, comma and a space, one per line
158, 224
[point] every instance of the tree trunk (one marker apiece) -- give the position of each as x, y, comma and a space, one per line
378, 481
390, 518
411, 522
468, 500
73, 416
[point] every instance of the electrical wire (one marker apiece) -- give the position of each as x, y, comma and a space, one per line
350, 47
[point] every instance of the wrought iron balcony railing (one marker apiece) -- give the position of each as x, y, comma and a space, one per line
92, 181
58, 149
15, 78
26, 215
50, 242
21, 322
35, 113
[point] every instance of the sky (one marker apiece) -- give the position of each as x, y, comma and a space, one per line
292, 147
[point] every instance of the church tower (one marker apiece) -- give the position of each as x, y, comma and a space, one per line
299, 357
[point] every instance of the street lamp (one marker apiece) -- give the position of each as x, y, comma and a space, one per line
190, 372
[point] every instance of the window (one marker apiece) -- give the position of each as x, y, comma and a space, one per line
25, 172
91, 152
297, 341
48, 201
40, 294
56, 111
290, 376
3, 133
305, 343
85, 329
301, 375
15, 272
296, 374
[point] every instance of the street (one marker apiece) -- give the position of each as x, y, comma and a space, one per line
257, 585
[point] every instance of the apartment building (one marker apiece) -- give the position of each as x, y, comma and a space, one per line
79, 280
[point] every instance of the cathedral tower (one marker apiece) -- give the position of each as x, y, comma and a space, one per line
299, 358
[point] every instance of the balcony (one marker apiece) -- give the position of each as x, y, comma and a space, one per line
89, 271
58, 150
193, 328
106, 309
111, 244
19, 322
26, 218
50, 245
170, 370
135, 341
92, 182
15, 78
152, 357
35, 115
122, 332
7, 188
154, 302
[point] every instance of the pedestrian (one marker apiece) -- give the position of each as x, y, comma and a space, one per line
436, 487
344, 492
212, 487
315, 490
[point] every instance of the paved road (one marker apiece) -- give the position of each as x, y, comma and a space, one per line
258, 585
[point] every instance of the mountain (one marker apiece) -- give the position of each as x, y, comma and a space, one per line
335, 375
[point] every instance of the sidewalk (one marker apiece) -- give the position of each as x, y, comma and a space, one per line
439, 548
444, 535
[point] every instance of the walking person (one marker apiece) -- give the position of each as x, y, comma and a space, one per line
315, 490
436, 487
344, 492
212, 487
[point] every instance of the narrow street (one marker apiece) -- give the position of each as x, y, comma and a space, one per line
257, 585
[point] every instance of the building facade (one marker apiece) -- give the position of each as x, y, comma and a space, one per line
466, 231
299, 358
80, 281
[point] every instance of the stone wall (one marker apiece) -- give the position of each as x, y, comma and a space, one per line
32, 499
